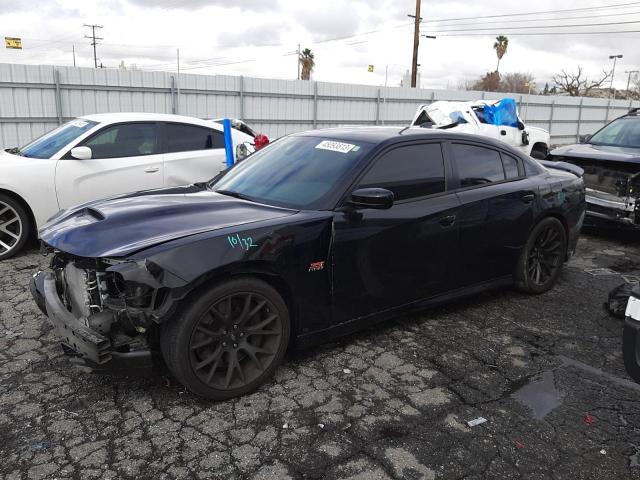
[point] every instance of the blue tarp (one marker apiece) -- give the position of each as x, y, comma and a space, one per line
504, 112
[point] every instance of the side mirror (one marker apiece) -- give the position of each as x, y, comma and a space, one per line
81, 153
379, 198
585, 138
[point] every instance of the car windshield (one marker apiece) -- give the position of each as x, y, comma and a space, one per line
48, 144
296, 172
623, 132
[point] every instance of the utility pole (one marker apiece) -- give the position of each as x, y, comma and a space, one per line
94, 41
416, 42
73, 49
298, 60
629, 77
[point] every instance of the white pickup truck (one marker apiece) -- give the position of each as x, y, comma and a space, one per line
496, 119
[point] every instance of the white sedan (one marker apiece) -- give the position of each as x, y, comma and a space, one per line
97, 156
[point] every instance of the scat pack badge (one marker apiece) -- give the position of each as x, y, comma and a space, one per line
316, 266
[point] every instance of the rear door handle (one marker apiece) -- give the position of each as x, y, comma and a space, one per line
151, 169
447, 221
528, 198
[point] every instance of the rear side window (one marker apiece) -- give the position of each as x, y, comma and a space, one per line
510, 165
477, 165
410, 171
188, 138
124, 140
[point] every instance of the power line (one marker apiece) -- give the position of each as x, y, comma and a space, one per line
94, 41
611, 32
599, 15
528, 27
540, 12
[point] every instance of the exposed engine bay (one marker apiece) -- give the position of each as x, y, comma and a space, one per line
612, 188
121, 314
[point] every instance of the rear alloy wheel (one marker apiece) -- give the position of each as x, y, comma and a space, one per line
229, 340
542, 258
14, 227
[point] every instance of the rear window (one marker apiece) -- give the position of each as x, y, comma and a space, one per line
510, 165
187, 138
477, 165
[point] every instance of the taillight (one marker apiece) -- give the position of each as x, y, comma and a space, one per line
260, 141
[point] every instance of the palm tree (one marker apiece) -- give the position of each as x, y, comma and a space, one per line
306, 61
500, 46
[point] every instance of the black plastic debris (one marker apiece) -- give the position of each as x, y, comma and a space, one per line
616, 305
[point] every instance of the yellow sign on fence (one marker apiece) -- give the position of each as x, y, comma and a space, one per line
370, 69
12, 42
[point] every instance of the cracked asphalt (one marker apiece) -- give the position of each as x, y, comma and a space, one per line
386, 403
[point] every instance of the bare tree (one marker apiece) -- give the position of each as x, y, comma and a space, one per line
517, 82
577, 84
489, 83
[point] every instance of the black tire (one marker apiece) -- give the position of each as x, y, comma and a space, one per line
539, 152
542, 257
14, 222
213, 359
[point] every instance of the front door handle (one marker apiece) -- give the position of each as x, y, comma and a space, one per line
447, 221
528, 198
151, 169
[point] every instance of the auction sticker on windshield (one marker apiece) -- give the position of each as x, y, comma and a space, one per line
335, 146
78, 123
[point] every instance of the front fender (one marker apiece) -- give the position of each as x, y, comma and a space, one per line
281, 251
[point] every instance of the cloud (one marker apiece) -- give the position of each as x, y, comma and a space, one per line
198, 4
332, 20
266, 34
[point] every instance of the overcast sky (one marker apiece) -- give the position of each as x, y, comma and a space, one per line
258, 37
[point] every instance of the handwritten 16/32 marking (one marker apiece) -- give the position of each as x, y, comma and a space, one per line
243, 242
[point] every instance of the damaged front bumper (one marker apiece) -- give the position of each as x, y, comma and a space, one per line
612, 208
91, 348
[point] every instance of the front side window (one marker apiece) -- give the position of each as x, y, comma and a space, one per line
188, 138
477, 165
50, 143
409, 171
124, 140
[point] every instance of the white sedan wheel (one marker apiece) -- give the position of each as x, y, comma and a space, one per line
11, 229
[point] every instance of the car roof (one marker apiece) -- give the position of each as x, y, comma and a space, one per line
107, 118
390, 135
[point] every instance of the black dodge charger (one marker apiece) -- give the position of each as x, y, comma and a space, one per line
318, 234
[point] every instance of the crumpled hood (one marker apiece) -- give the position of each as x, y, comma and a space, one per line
599, 152
122, 225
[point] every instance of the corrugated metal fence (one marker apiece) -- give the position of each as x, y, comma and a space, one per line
36, 98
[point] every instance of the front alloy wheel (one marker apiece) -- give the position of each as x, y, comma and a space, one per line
229, 341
